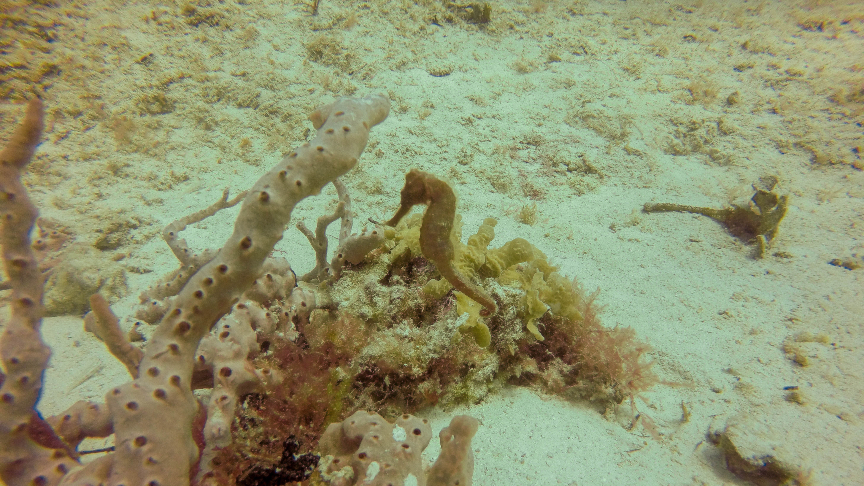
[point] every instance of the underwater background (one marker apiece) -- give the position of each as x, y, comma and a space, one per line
561, 120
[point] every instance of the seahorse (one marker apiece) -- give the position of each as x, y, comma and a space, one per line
440, 200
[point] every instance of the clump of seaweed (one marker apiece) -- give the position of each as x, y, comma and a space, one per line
527, 214
298, 407
581, 359
473, 13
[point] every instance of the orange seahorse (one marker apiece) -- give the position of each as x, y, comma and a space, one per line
440, 200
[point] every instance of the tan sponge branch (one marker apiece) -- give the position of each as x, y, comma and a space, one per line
29, 449
153, 414
163, 387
